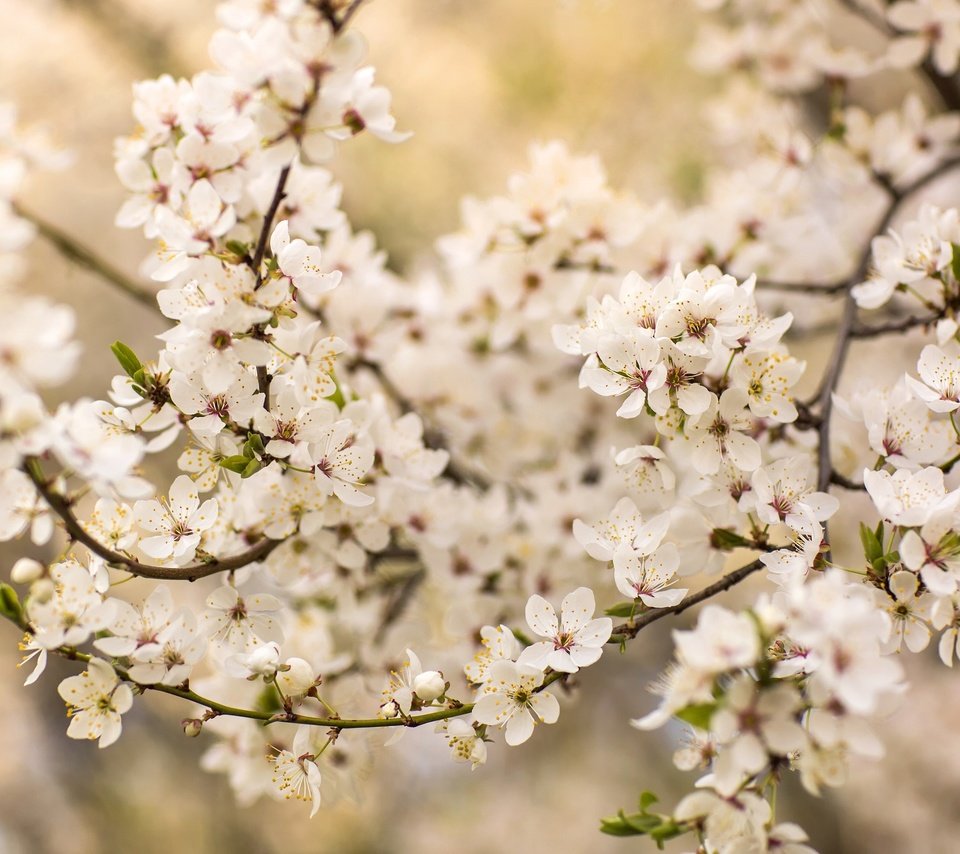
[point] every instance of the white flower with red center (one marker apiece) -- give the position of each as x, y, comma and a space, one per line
604, 539
238, 623
934, 551
211, 412
96, 699
132, 627
177, 523
511, 699
575, 640
499, 643
909, 498
900, 428
752, 724
204, 218
171, 655
340, 459
910, 613
705, 312
932, 25
73, 611
643, 575
300, 263
296, 774
681, 387
768, 379
625, 365
783, 493
939, 369
720, 434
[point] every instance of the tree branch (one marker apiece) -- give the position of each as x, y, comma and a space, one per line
632, 628
83, 256
454, 708
62, 507
892, 326
848, 319
265, 229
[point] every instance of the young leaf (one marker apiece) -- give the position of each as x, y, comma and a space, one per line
697, 715
621, 609
126, 357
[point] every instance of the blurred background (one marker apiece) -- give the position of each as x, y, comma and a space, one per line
476, 81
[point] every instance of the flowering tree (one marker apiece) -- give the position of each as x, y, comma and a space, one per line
354, 445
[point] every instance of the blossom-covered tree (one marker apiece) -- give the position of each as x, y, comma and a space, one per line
591, 399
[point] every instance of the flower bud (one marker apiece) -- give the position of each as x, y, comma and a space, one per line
26, 570
429, 685
191, 727
295, 678
390, 710
42, 590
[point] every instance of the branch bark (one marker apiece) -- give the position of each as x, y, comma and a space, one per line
62, 507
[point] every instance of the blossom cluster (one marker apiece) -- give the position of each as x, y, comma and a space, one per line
369, 464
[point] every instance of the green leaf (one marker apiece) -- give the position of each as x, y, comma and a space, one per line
666, 830
622, 609
647, 800
872, 546
642, 822
727, 540
255, 441
236, 463
253, 466
337, 397
238, 248
629, 825
617, 827
955, 261
697, 715
10, 606
126, 357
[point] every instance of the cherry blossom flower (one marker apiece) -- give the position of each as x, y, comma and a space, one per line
909, 613
295, 771
300, 263
499, 643
510, 699
575, 640
96, 699
177, 524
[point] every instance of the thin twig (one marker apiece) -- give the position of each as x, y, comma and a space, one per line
352, 10
62, 507
632, 628
845, 482
85, 257
818, 288
267, 226
892, 326
844, 334
453, 709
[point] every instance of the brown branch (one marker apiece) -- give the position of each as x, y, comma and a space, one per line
631, 628
848, 319
892, 326
330, 8
352, 10
817, 288
63, 508
265, 229
945, 86
82, 256
845, 482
